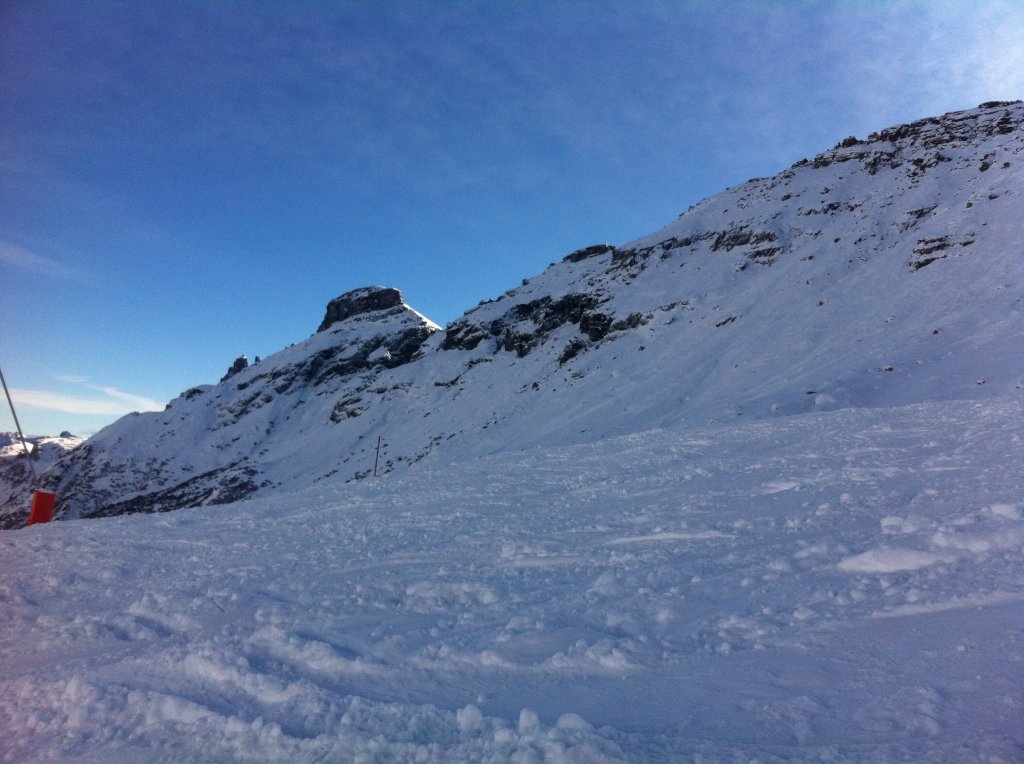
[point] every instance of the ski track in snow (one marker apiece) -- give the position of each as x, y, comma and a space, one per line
841, 586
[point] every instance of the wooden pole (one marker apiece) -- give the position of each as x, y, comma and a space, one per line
376, 460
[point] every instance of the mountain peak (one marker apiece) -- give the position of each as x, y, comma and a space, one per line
358, 302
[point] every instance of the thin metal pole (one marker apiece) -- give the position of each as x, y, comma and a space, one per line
17, 424
377, 458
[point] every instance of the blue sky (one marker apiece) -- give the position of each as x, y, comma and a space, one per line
184, 182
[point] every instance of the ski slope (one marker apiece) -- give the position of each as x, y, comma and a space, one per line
842, 586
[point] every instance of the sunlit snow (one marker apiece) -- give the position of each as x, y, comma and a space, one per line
650, 597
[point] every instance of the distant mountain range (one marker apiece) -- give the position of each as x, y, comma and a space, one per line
885, 271
16, 471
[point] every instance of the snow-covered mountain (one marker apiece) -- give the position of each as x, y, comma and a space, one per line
618, 542
15, 471
883, 272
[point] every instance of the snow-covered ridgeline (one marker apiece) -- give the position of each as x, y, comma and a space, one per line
15, 471
884, 272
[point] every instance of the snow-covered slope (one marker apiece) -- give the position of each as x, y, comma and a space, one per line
884, 272
844, 586
16, 473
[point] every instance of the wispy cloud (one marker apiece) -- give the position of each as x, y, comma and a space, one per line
951, 56
136, 402
14, 256
112, 402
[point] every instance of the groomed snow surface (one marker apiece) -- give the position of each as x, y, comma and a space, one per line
836, 586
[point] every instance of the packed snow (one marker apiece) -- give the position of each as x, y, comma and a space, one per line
837, 586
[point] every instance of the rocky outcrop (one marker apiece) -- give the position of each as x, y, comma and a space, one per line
528, 324
595, 250
239, 364
358, 302
916, 145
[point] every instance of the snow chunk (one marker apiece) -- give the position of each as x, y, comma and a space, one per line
1009, 511
980, 543
668, 536
883, 560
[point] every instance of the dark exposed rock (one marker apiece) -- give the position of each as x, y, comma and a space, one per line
629, 258
240, 364
463, 336
592, 251
829, 209
595, 325
953, 129
339, 361
1005, 124
916, 216
449, 382
764, 255
347, 408
573, 349
359, 301
513, 333
927, 250
632, 321
927, 246
740, 237
549, 314
633, 261
520, 343
404, 347
221, 486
